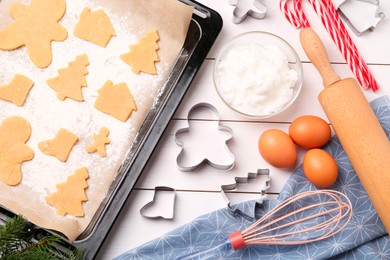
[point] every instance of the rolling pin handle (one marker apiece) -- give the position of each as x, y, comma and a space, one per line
316, 52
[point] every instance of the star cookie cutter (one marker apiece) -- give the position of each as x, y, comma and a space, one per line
245, 8
231, 188
162, 211
360, 15
205, 160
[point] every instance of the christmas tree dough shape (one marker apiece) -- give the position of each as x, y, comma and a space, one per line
17, 90
14, 133
70, 80
70, 195
94, 27
60, 146
143, 55
115, 100
100, 141
35, 27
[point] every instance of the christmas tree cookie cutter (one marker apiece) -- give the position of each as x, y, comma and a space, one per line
226, 163
240, 208
245, 8
158, 206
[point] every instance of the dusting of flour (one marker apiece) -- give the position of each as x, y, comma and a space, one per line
47, 114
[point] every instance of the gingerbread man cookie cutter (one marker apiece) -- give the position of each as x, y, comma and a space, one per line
226, 165
245, 8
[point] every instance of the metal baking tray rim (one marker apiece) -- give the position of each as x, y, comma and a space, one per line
207, 24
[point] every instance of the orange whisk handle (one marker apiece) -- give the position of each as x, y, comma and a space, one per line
237, 240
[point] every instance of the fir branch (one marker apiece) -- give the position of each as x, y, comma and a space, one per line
13, 228
17, 242
12, 235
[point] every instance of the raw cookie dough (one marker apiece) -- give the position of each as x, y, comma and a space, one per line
70, 80
100, 141
14, 133
35, 27
94, 27
143, 55
17, 90
70, 195
60, 146
115, 100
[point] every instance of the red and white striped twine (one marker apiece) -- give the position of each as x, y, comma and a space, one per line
333, 24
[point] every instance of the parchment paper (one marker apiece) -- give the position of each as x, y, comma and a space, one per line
47, 114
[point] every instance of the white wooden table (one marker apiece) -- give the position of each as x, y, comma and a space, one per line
199, 192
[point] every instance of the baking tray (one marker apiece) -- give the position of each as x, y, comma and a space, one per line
203, 31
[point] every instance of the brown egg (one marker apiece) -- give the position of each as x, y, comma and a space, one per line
309, 131
320, 168
277, 148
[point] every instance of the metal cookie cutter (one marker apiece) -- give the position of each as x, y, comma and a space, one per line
205, 159
360, 15
244, 8
241, 208
158, 208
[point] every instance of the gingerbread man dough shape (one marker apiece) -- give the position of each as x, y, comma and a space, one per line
35, 27
100, 141
14, 133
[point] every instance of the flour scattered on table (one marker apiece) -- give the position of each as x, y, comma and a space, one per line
17, 90
115, 100
143, 55
94, 27
35, 27
70, 80
99, 142
60, 146
14, 133
70, 195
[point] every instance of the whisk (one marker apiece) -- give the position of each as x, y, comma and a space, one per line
285, 224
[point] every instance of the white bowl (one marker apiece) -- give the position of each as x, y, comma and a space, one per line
258, 74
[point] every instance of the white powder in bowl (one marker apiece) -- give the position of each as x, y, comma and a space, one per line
255, 79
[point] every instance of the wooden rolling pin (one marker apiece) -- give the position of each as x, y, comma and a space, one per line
356, 126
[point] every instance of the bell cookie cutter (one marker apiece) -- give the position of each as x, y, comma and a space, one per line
229, 188
169, 214
205, 160
242, 10
360, 15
